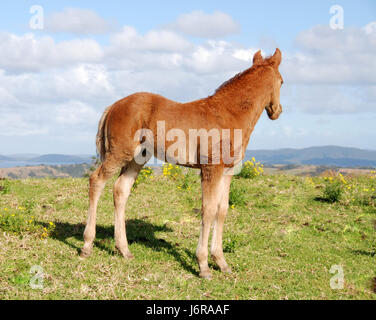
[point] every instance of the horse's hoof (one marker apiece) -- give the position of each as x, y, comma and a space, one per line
205, 275
226, 270
85, 253
126, 254
129, 256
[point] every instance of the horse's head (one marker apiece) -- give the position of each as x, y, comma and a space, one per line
273, 106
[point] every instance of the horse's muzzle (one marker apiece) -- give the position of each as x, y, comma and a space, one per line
274, 114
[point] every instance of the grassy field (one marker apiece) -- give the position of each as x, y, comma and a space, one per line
282, 236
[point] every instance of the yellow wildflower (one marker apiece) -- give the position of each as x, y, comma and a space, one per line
342, 178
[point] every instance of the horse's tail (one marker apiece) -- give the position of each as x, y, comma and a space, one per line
101, 140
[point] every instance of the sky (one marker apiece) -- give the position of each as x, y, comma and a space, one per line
57, 78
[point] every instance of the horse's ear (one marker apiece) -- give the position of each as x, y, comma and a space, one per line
257, 57
276, 59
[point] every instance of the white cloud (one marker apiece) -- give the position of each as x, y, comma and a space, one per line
13, 124
335, 99
370, 27
85, 82
327, 56
73, 81
47, 86
155, 40
27, 53
242, 54
332, 71
200, 24
218, 56
76, 113
77, 21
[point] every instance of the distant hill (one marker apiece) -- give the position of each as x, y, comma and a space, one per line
4, 158
22, 156
59, 158
43, 171
327, 155
318, 156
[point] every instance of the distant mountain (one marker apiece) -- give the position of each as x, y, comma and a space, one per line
327, 155
4, 158
59, 158
321, 156
23, 156
44, 171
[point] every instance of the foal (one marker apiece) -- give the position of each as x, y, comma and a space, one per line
236, 105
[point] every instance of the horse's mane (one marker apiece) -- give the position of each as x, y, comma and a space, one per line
231, 80
241, 74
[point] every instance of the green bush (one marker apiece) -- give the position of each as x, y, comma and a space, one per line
251, 169
187, 180
5, 187
172, 171
95, 162
230, 245
333, 191
145, 173
237, 196
20, 220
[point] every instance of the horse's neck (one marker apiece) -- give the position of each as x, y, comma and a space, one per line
246, 98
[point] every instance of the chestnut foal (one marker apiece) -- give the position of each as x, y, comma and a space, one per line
236, 104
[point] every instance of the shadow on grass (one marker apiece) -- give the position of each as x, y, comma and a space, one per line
370, 253
138, 231
322, 199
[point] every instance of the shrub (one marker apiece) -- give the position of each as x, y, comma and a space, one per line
15, 220
145, 173
187, 180
95, 161
5, 187
333, 190
28, 205
237, 196
251, 169
20, 220
172, 171
230, 245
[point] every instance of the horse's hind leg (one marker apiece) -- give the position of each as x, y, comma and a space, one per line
122, 189
97, 182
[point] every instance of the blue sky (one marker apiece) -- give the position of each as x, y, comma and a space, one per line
55, 82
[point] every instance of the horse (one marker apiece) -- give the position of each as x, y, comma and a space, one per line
236, 105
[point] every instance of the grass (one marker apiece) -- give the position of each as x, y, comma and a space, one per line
281, 240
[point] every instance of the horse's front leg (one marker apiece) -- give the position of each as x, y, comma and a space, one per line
122, 189
210, 180
216, 245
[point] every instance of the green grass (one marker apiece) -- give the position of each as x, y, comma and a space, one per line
281, 239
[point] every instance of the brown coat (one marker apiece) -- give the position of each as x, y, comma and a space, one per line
236, 105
